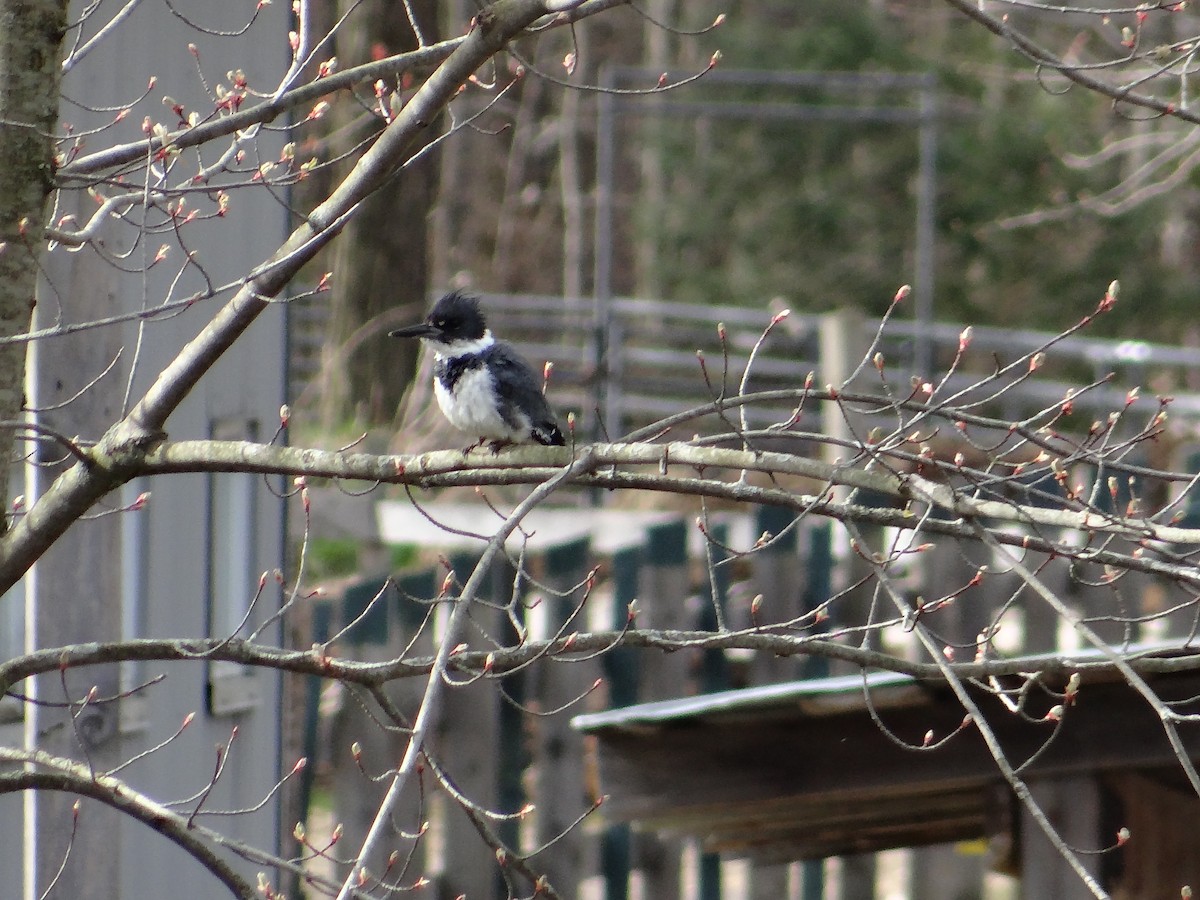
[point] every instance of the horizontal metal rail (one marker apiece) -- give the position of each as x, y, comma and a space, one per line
656, 370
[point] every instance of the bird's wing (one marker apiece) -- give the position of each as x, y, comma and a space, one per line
522, 391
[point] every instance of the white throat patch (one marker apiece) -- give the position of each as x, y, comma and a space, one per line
462, 347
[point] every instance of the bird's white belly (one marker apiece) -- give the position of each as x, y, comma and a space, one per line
472, 407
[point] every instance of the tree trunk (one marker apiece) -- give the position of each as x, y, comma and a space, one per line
31, 33
381, 260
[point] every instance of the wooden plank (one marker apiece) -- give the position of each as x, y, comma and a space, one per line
948, 569
774, 831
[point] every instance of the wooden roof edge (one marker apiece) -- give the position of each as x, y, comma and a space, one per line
837, 694
765, 696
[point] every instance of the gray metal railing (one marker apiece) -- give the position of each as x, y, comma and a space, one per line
654, 369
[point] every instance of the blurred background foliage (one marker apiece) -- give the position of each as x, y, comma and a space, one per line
821, 214
811, 215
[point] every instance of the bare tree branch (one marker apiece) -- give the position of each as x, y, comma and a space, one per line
1079, 74
75, 491
49, 773
526, 465
86, 167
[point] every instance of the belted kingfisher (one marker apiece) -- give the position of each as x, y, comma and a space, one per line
482, 385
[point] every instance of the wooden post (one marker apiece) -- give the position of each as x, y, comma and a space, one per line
663, 592
1072, 803
1164, 854
777, 574
843, 346
468, 741
714, 668
948, 568
858, 877
512, 745
381, 634
621, 673
714, 676
769, 882
560, 791
1041, 621
943, 872
940, 872
819, 588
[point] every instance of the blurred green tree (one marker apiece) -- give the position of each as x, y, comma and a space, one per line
821, 214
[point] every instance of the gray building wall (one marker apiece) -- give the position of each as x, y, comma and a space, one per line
189, 561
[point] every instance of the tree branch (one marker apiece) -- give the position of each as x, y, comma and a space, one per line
435, 686
75, 778
1043, 57
119, 451
1150, 660
84, 167
526, 465
44, 771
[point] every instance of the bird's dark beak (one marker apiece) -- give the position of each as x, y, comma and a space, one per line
423, 330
